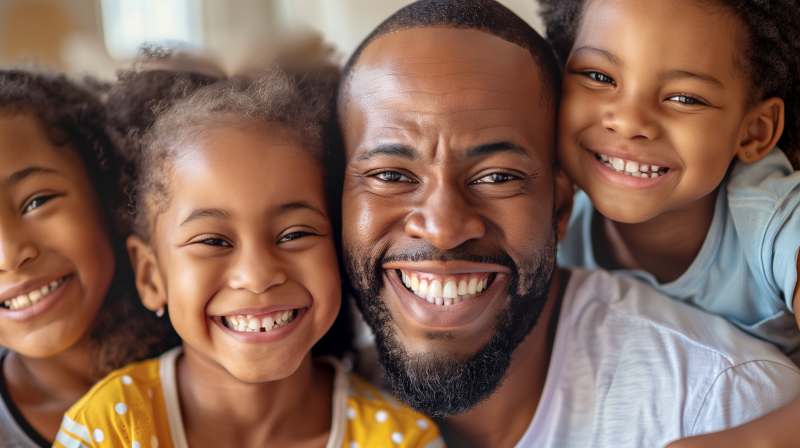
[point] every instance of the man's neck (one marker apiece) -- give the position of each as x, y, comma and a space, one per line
501, 421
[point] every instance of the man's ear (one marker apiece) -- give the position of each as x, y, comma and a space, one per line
564, 195
761, 129
146, 274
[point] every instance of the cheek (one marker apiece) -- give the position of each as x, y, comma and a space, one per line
192, 283
705, 155
369, 218
318, 271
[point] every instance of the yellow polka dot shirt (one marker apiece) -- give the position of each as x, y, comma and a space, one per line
138, 407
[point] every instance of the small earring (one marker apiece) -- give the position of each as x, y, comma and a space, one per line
160, 312
747, 154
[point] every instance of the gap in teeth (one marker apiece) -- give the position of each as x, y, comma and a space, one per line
31, 298
261, 323
631, 168
445, 290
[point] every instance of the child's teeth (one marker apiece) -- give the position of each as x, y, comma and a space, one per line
255, 324
631, 168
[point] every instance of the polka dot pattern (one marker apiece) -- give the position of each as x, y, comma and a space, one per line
136, 445
422, 424
126, 380
381, 416
98, 435
353, 444
397, 438
121, 408
351, 414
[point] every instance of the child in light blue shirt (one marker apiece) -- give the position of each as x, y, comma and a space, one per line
670, 120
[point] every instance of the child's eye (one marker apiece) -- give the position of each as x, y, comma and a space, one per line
393, 176
293, 236
685, 99
495, 178
599, 77
36, 203
215, 242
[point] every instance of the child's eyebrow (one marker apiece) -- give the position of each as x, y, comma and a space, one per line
603, 53
27, 172
206, 213
673, 75
297, 205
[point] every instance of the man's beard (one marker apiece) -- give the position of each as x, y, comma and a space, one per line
443, 385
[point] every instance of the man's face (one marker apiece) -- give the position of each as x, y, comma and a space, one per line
449, 182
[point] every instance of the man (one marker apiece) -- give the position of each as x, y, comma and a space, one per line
452, 208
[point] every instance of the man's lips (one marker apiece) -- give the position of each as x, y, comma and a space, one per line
459, 311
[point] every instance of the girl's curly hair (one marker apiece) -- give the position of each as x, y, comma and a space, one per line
772, 51
74, 117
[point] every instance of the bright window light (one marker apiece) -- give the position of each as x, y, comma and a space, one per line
127, 24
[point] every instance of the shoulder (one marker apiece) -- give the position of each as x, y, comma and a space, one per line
376, 418
770, 179
603, 302
108, 410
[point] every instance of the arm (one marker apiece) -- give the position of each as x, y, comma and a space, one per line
775, 430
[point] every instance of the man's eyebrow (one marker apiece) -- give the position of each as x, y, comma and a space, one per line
403, 151
492, 148
610, 57
683, 74
27, 172
206, 213
297, 205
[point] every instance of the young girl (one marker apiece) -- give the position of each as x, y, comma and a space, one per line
669, 120
231, 231
66, 291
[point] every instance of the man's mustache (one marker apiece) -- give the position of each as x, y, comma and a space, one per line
465, 253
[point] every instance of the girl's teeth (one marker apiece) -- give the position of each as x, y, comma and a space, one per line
631, 168
256, 324
33, 297
445, 291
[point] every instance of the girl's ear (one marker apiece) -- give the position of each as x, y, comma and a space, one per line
146, 274
761, 129
564, 195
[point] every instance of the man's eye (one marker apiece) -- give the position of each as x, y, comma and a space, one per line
599, 77
393, 176
215, 242
36, 203
685, 99
495, 178
292, 236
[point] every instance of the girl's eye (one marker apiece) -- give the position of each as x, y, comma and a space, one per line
215, 242
36, 203
684, 99
495, 178
292, 236
393, 176
599, 77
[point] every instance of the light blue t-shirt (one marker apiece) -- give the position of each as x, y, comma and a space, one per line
746, 269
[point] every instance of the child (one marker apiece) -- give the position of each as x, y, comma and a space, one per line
66, 290
231, 231
669, 120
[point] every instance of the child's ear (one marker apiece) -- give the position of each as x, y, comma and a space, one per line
564, 195
761, 129
146, 274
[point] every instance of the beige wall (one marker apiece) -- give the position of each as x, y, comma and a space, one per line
67, 34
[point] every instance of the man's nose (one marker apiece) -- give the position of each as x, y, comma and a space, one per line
631, 118
256, 270
445, 219
16, 249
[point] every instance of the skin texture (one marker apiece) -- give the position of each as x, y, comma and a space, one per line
641, 117
262, 239
649, 49
439, 93
50, 226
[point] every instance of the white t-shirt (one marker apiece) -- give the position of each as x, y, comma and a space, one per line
633, 368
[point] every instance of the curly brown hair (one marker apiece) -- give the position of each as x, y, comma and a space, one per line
772, 51
74, 118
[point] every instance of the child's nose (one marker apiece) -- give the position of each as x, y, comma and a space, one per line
256, 271
631, 118
15, 249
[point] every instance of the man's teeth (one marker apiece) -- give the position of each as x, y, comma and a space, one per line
445, 290
632, 168
256, 324
23, 301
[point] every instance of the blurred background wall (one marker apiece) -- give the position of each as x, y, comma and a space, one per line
100, 36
